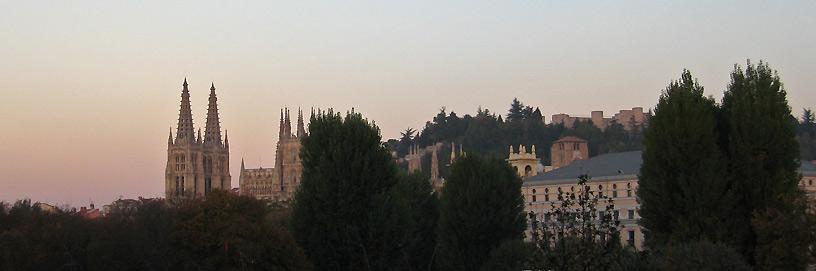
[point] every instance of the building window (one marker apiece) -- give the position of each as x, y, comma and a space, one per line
631, 214
546, 197
534, 198
616, 215
631, 239
629, 190
575, 146
810, 182
614, 190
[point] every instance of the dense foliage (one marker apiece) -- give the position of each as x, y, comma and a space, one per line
683, 168
481, 207
728, 174
352, 210
223, 232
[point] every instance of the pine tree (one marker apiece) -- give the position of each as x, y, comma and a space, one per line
682, 187
759, 139
481, 206
343, 208
516, 112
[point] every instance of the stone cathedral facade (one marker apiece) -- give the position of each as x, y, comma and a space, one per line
196, 165
278, 183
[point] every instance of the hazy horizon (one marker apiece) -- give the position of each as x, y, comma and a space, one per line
92, 87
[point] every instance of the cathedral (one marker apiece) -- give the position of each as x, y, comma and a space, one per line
196, 165
280, 182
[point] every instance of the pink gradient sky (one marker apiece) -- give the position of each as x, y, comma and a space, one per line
90, 88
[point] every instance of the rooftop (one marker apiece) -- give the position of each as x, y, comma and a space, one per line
612, 166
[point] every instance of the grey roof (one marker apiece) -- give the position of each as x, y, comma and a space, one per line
610, 166
808, 168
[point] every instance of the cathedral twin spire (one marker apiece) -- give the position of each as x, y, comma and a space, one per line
286, 125
212, 130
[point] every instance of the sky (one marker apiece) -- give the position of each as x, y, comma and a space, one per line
89, 89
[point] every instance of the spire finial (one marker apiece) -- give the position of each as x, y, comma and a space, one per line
212, 128
226, 139
185, 132
170, 140
212, 86
301, 128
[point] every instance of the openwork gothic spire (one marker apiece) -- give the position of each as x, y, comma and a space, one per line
184, 132
212, 130
301, 129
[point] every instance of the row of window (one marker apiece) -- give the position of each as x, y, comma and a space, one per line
630, 215
629, 192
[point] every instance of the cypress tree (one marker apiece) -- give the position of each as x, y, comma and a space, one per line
682, 187
481, 206
344, 207
760, 141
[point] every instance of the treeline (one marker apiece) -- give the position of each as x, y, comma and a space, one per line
223, 232
489, 134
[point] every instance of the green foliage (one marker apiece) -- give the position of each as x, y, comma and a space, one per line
481, 206
728, 176
511, 255
698, 255
344, 214
785, 235
223, 232
683, 168
419, 206
759, 139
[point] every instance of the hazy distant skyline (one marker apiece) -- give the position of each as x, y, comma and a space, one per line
90, 88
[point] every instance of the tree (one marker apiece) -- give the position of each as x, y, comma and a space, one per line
785, 235
420, 207
579, 232
481, 206
406, 140
344, 203
760, 142
698, 255
516, 112
682, 187
230, 232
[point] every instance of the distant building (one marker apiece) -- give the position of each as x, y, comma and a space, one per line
414, 160
280, 182
525, 163
89, 213
568, 149
614, 175
46, 208
627, 118
196, 165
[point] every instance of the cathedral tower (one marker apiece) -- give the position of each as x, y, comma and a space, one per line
196, 165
